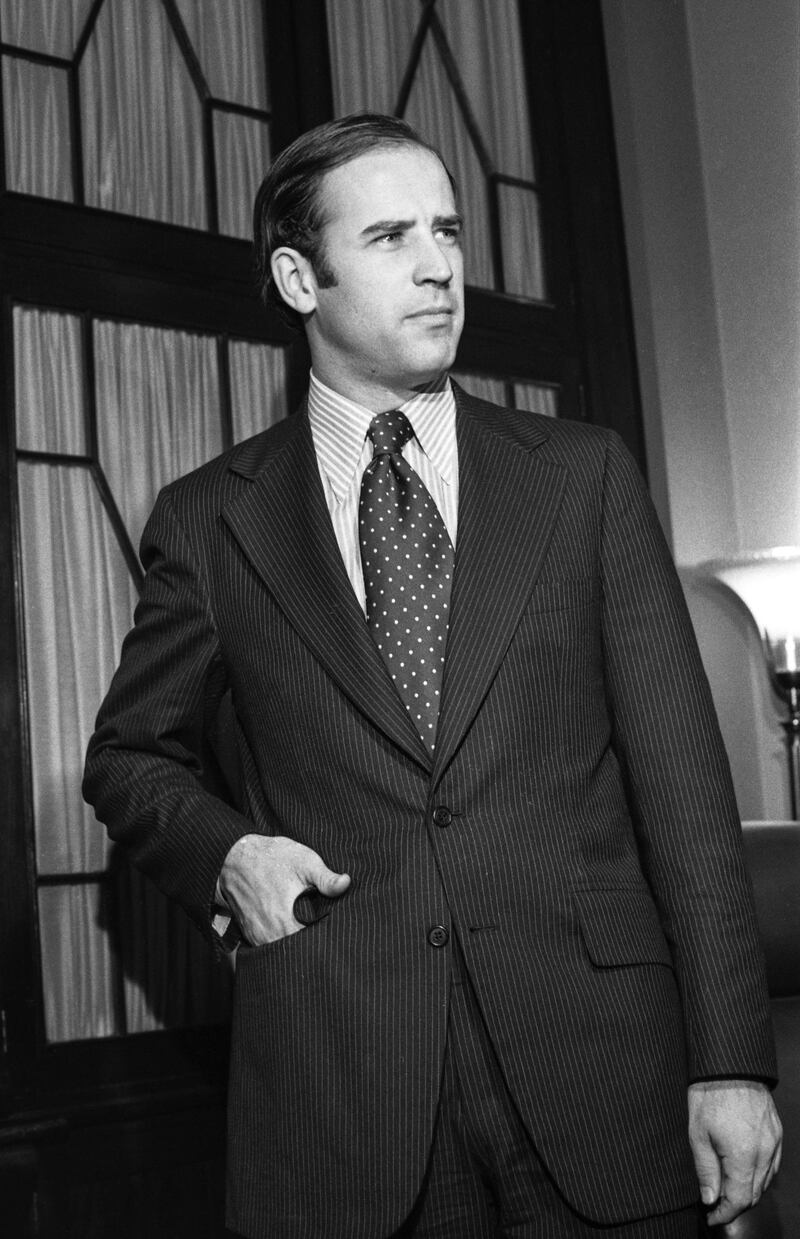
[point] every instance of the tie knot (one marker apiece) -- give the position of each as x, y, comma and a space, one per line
389, 431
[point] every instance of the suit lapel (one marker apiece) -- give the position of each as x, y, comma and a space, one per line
282, 524
508, 503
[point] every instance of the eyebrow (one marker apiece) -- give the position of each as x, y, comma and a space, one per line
403, 225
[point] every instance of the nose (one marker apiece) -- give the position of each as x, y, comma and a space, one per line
433, 264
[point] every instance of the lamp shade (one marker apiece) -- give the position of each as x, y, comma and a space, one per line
768, 583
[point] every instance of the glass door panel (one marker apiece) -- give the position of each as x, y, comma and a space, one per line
117, 957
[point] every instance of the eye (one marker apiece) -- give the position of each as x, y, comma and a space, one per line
450, 233
389, 238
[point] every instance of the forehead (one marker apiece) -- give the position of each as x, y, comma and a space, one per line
396, 182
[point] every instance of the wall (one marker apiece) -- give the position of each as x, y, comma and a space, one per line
707, 116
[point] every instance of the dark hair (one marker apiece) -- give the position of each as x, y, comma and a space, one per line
288, 208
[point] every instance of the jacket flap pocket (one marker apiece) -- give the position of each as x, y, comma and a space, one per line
621, 927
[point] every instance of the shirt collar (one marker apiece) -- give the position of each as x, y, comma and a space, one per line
339, 428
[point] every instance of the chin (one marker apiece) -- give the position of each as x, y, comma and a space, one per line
432, 362
416, 379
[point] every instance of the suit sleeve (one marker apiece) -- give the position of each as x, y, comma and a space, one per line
680, 790
150, 772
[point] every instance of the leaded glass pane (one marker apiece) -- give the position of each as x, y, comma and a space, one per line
141, 118
170, 977
215, 29
468, 96
116, 956
531, 397
370, 46
483, 386
485, 40
140, 112
258, 387
37, 135
158, 411
50, 26
523, 272
243, 156
536, 398
49, 390
77, 963
433, 111
78, 604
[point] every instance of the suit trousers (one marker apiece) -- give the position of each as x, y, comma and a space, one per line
485, 1179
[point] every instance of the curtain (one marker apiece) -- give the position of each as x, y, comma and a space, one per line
50, 26
536, 398
230, 44
170, 977
243, 156
78, 964
49, 391
140, 113
36, 110
532, 397
370, 51
141, 118
116, 956
158, 411
482, 386
258, 387
78, 602
229, 41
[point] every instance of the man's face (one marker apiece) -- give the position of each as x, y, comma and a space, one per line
393, 319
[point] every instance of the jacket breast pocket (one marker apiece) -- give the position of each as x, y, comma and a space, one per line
567, 594
620, 927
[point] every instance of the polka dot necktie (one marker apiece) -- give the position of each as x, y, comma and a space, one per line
407, 558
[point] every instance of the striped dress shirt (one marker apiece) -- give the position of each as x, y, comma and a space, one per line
339, 430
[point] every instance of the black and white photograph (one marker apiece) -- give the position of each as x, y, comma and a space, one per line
400, 634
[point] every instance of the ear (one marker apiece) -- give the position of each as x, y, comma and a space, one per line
294, 279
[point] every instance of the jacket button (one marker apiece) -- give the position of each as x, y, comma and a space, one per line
438, 936
442, 816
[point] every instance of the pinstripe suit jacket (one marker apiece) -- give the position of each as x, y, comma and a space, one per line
589, 861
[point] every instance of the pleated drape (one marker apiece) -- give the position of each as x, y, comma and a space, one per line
476, 68
140, 113
533, 397
158, 400
116, 956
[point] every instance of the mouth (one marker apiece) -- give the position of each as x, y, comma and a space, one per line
433, 312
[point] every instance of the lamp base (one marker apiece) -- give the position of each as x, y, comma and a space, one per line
792, 728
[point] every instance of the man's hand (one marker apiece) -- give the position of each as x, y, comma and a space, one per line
261, 878
735, 1134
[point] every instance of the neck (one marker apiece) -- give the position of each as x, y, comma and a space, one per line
378, 397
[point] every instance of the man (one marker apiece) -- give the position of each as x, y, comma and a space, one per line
492, 907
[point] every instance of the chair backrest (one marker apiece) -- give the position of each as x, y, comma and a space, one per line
772, 852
